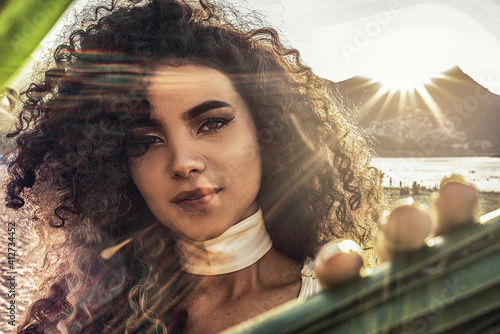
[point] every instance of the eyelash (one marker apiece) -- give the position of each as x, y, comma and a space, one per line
149, 140
221, 121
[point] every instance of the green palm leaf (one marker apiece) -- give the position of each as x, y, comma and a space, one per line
23, 25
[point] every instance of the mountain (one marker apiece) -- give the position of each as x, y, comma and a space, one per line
454, 116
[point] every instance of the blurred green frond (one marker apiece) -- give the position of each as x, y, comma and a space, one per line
23, 25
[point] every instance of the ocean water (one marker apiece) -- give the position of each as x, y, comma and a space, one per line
484, 172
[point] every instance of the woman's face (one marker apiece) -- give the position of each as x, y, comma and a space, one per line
202, 171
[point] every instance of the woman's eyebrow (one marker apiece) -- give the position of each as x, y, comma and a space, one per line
202, 108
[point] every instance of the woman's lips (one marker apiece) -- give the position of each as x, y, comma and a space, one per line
195, 199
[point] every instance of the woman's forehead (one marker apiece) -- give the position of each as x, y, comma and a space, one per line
186, 74
193, 80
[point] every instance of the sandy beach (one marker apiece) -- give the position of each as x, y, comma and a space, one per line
488, 201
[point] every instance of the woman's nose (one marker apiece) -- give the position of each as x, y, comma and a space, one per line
185, 161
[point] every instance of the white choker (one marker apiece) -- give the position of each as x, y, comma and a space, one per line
240, 246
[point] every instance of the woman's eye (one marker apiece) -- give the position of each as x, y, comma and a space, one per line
148, 140
213, 124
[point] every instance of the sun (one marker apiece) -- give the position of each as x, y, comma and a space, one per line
404, 80
404, 73
404, 64
407, 60
404, 87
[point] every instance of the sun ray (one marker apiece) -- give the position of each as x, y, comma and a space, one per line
429, 101
409, 96
402, 101
445, 93
380, 96
413, 99
385, 106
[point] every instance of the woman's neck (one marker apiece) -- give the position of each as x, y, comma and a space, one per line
235, 297
272, 271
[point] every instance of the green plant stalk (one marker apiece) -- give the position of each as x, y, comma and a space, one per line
23, 25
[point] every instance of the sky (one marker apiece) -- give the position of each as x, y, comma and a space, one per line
401, 42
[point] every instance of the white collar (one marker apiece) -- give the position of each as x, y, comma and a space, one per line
240, 246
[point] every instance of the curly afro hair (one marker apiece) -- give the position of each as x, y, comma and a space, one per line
73, 139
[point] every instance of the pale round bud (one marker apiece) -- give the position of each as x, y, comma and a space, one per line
456, 205
337, 262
